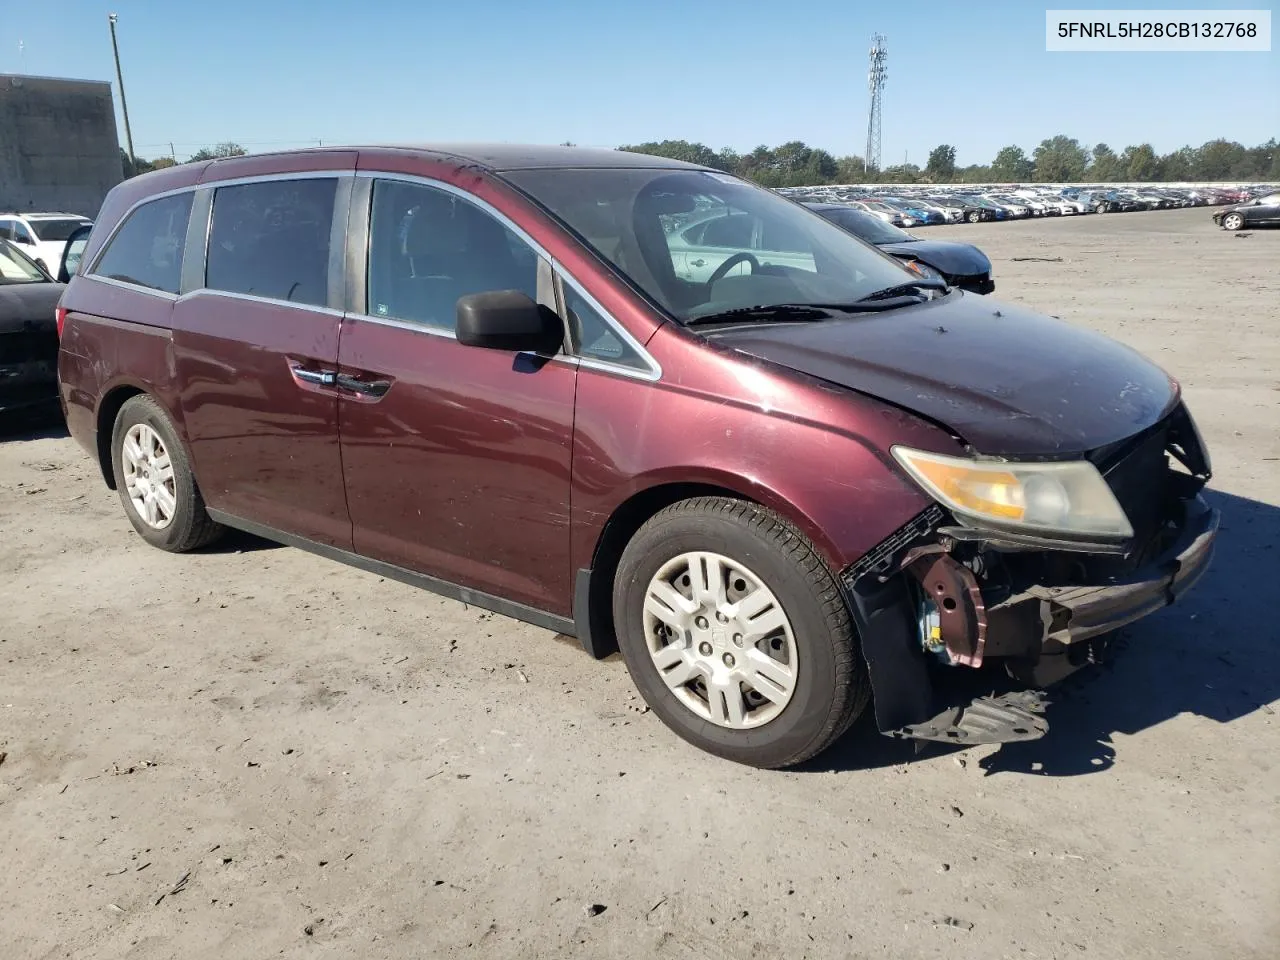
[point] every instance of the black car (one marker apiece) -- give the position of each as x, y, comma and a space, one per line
959, 264
1265, 211
968, 211
28, 331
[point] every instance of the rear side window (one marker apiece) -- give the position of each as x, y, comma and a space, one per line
271, 240
147, 249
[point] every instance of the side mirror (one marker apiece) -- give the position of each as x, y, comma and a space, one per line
25, 241
508, 320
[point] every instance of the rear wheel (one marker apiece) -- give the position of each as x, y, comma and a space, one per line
1233, 221
736, 634
154, 479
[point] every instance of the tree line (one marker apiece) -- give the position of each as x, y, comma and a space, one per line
1056, 160
1059, 159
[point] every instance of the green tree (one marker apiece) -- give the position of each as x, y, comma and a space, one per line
1178, 165
850, 169
1060, 159
698, 153
1217, 158
901, 173
1012, 164
941, 167
222, 150
974, 173
160, 163
1140, 162
1105, 166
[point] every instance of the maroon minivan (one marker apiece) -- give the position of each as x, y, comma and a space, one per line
781, 473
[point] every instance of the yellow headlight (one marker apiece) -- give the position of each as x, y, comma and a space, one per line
1068, 498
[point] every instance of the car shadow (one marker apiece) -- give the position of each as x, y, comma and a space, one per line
1213, 654
43, 422
237, 541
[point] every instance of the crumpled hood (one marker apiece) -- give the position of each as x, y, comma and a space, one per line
1010, 382
953, 259
28, 303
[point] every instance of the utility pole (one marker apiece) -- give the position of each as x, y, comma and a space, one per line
124, 106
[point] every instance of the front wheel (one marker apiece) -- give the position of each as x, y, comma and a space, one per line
154, 479
736, 634
974, 216
1233, 221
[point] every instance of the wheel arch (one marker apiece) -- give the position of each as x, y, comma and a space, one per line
593, 585
113, 399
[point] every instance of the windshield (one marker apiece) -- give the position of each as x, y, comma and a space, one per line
57, 230
15, 267
866, 227
698, 242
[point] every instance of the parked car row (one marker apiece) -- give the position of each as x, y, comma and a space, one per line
912, 206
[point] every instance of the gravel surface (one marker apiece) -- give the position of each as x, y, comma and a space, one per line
254, 752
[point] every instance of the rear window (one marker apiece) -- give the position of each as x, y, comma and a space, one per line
147, 249
57, 230
271, 239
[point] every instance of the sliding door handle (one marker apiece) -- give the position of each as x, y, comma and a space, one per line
366, 388
321, 378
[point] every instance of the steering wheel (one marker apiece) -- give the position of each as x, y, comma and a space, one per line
741, 257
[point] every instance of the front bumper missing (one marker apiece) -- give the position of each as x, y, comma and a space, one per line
1042, 633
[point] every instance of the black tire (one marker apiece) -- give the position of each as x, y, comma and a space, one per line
831, 685
1233, 221
190, 526
974, 216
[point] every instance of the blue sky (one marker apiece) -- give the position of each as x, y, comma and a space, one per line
725, 72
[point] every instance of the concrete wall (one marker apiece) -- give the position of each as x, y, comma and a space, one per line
58, 145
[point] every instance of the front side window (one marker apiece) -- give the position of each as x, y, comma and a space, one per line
594, 338
147, 249
429, 247
271, 239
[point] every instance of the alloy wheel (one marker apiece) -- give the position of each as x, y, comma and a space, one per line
720, 640
1233, 221
148, 476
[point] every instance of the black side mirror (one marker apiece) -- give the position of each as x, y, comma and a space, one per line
508, 320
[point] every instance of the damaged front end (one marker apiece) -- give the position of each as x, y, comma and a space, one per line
944, 590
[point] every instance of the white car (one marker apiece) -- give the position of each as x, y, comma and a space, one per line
41, 236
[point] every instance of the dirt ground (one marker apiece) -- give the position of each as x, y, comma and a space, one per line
254, 752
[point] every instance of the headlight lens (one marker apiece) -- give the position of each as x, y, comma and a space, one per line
1063, 498
923, 269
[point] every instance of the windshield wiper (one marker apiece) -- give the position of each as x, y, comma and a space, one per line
801, 312
781, 312
903, 290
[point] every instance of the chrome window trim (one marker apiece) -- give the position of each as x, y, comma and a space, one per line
253, 298
463, 195
125, 285
272, 177
654, 371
